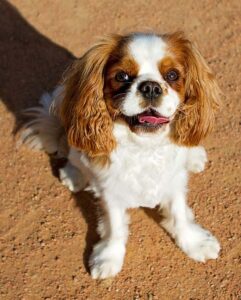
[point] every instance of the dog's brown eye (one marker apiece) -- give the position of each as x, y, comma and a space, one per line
172, 75
122, 77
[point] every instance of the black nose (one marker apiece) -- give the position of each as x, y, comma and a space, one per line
150, 89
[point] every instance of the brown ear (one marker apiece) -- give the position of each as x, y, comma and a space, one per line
83, 112
195, 118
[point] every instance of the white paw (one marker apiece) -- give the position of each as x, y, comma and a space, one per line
71, 177
197, 159
107, 259
199, 244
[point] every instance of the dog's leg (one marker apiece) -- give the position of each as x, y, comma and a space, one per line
196, 242
108, 255
73, 174
196, 160
72, 177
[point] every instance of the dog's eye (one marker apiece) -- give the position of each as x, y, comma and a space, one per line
122, 77
172, 75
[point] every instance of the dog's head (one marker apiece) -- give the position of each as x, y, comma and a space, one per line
145, 80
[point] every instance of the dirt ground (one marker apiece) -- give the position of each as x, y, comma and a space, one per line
47, 233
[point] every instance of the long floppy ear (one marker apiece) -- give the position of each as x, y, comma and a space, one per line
195, 119
83, 111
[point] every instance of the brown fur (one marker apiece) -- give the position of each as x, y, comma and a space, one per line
195, 118
83, 112
89, 110
124, 62
169, 63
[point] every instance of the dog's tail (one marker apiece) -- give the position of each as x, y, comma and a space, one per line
44, 130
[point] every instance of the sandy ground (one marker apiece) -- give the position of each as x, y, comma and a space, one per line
47, 233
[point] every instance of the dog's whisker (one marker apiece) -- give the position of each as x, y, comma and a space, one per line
118, 95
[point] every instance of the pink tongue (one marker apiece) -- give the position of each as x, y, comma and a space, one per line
152, 119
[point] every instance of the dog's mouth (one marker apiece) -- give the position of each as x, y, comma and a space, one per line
149, 118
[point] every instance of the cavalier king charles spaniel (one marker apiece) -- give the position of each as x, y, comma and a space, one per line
129, 116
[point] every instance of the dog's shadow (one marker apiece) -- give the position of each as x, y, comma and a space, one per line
87, 205
88, 208
31, 64
154, 214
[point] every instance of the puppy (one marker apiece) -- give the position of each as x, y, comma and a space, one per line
133, 110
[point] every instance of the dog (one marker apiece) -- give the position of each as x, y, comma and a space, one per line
129, 115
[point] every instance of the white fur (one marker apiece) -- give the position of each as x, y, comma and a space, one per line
72, 177
146, 170
44, 131
197, 160
148, 51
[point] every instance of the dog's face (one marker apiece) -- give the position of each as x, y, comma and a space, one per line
144, 83
148, 82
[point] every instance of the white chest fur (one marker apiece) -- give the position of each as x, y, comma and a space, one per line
143, 169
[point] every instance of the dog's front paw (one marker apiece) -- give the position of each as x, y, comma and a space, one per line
107, 259
199, 244
197, 159
71, 177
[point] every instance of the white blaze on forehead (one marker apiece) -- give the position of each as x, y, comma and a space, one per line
148, 51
